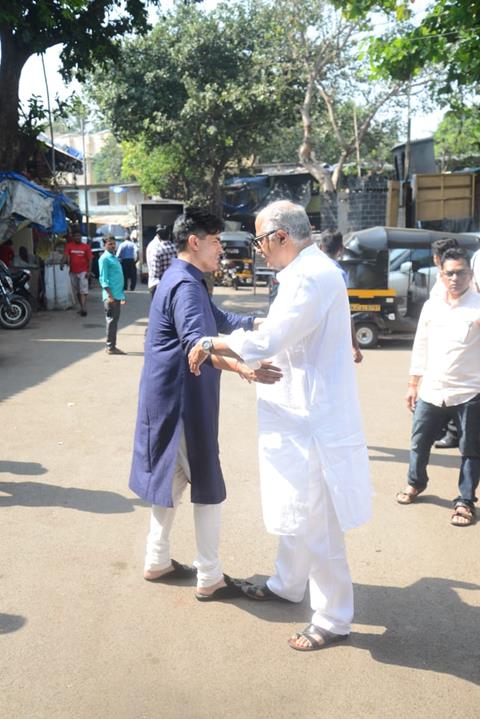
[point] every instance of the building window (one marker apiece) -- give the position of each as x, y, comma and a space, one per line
103, 197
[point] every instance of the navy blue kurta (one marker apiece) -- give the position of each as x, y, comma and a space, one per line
181, 313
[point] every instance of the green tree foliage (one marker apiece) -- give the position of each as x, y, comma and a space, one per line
376, 144
457, 139
156, 169
446, 40
203, 89
319, 49
107, 164
87, 30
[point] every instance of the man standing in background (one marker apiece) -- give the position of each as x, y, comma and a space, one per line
160, 253
331, 243
111, 282
444, 383
127, 254
78, 255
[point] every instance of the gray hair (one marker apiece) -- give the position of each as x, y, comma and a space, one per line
285, 215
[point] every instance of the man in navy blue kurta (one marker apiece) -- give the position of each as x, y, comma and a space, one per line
176, 437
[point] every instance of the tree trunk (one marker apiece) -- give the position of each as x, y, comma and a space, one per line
13, 149
305, 152
216, 204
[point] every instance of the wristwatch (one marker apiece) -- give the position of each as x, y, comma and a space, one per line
207, 344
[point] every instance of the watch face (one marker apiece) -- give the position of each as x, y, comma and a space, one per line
207, 345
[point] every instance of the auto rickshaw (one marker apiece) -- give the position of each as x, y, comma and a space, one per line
237, 257
390, 275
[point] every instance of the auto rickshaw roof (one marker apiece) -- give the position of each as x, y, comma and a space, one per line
383, 238
236, 237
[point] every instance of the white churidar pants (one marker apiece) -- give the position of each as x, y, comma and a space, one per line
317, 557
207, 528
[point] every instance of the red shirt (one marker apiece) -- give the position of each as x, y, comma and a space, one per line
79, 255
6, 254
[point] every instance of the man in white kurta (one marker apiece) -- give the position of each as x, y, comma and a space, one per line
313, 460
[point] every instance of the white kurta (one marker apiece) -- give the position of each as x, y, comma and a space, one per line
312, 415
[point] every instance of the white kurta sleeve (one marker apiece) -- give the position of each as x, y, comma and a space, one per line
298, 309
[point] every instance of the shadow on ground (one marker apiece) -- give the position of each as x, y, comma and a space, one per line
38, 494
22, 467
54, 340
11, 623
392, 454
426, 625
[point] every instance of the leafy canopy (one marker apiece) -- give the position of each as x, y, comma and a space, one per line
201, 87
445, 40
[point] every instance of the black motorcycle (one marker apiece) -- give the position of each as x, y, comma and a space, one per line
21, 285
15, 311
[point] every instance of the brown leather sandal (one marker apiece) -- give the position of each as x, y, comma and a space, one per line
463, 515
408, 495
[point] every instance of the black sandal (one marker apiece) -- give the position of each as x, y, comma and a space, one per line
179, 571
261, 593
231, 591
312, 634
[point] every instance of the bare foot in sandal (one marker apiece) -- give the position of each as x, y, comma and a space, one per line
463, 515
314, 638
408, 495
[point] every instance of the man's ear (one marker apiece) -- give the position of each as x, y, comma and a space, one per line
192, 242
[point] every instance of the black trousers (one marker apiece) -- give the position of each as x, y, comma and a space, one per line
129, 274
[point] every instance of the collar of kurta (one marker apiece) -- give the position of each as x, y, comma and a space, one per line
191, 269
460, 300
307, 251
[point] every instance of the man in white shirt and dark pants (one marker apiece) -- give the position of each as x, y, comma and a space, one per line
445, 383
313, 459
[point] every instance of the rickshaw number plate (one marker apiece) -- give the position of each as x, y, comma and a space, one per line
365, 308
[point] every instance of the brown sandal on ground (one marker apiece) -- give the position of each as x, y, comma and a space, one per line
463, 516
316, 638
408, 495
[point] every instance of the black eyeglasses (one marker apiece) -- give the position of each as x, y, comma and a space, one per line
457, 273
257, 241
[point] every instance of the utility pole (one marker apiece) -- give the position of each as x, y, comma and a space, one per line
85, 166
50, 123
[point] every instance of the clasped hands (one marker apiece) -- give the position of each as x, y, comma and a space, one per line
267, 373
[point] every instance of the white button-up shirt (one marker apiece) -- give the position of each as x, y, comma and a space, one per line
309, 421
446, 351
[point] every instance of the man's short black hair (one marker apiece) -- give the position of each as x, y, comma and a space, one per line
454, 253
195, 221
331, 242
441, 246
163, 232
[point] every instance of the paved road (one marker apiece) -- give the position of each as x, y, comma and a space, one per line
83, 636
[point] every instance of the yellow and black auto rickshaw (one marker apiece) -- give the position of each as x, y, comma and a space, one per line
236, 265
390, 275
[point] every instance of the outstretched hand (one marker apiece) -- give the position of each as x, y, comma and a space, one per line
267, 373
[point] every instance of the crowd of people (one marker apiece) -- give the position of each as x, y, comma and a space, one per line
313, 459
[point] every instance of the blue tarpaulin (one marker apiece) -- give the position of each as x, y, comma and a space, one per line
45, 209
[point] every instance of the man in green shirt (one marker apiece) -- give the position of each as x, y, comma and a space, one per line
111, 281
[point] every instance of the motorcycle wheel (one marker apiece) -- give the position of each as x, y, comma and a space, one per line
17, 315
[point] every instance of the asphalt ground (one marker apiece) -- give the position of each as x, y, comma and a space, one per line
82, 635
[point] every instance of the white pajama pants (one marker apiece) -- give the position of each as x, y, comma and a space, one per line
207, 529
317, 557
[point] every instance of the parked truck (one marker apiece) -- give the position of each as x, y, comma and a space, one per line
150, 214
